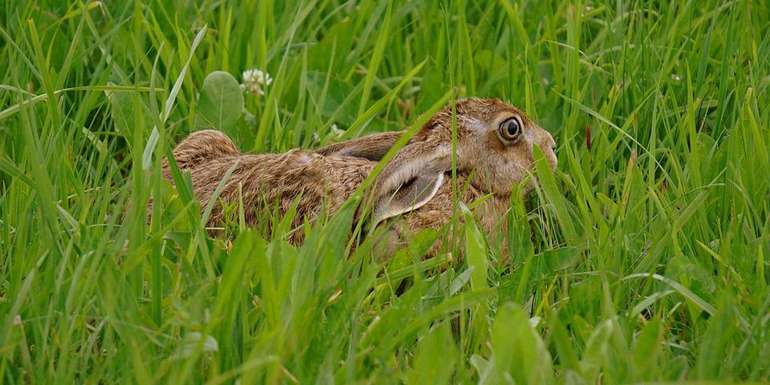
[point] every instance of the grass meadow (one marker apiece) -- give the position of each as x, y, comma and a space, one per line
645, 257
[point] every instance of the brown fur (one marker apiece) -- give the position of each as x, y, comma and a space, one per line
328, 176
489, 214
496, 167
266, 180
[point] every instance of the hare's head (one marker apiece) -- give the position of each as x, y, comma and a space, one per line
495, 147
495, 142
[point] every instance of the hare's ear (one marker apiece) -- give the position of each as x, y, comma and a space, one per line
372, 147
410, 180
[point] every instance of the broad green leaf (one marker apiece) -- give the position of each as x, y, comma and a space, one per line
518, 352
221, 101
647, 349
436, 358
605, 352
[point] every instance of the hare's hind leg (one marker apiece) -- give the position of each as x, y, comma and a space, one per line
202, 146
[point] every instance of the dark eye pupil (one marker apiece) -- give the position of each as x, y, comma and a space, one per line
513, 127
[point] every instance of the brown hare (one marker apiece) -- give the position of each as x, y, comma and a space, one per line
494, 152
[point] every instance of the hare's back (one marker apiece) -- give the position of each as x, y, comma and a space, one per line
269, 181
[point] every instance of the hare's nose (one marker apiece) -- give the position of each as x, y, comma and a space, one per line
548, 141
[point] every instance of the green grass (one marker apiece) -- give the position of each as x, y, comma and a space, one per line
643, 258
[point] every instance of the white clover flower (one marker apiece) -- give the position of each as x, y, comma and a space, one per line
254, 80
196, 341
336, 130
676, 77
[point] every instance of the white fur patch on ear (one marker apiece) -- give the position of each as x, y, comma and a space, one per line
409, 196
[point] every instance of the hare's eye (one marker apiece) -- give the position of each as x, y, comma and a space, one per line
509, 130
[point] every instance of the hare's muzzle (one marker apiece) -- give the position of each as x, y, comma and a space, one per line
548, 145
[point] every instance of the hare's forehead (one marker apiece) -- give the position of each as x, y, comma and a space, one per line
483, 121
472, 123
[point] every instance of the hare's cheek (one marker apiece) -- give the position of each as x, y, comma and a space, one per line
520, 172
498, 181
483, 179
